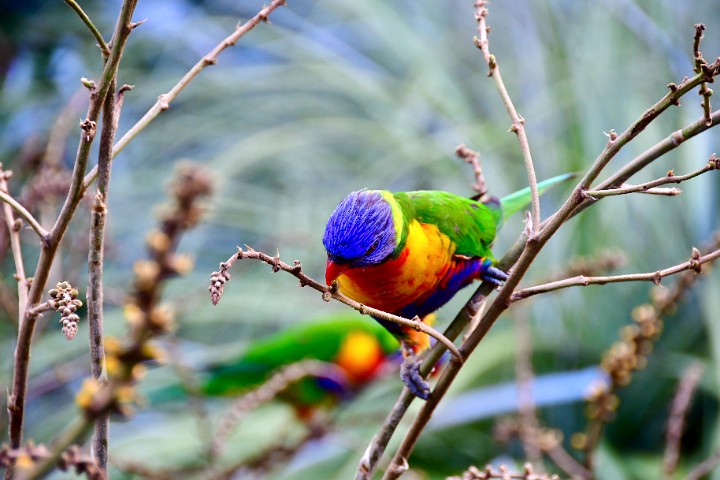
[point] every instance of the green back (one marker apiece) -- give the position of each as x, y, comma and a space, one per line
471, 225
317, 339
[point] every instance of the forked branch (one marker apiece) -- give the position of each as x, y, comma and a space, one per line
694, 263
712, 164
164, 100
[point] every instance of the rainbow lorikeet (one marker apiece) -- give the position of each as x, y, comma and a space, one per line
355, 350
409, 253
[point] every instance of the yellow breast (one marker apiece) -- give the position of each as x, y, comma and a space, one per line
407, 279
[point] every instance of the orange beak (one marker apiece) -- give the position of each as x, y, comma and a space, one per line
333, 271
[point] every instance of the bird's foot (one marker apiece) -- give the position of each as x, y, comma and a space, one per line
494, 275
411, 376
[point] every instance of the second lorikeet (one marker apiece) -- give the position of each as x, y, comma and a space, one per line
409, 253
355, 350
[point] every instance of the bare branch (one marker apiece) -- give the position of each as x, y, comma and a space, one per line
700, 64
582, 281
40, 308
93, 29
713, 164
669, 143
578, 201
528, 421
96, 254
518, 122
472, 158
376, 448
328, 293
676, 423
14, 227
164, 100
16, 401
662, 192
702, 469
22, 211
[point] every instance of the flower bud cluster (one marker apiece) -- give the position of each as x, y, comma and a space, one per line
217, 283
64, 300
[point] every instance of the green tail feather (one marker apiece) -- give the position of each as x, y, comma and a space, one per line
521, 199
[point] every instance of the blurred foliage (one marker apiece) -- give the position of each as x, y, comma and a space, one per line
333, 96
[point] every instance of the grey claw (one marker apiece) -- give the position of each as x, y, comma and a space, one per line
410, 375
495, 276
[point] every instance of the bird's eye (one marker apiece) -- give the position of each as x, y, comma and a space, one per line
372, 247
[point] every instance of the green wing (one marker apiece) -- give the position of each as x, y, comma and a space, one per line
317, 339
471, 225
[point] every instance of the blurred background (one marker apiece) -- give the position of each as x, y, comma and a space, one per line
333, 96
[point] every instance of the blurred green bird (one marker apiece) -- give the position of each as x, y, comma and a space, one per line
350, 351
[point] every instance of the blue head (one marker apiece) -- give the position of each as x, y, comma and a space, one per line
361, 232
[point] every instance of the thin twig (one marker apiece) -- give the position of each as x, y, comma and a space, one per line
528, 422
327, 293
16, 400
93, 29
22, 211
518, 122
39, 308
577, 200
270, 389
713, 164
472, 158
669, 143
662, 192
693, 264
377, 446
676, 423
13, 227
705, 467
98, 216
700, 64
62, 129
164, 100
564, 460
